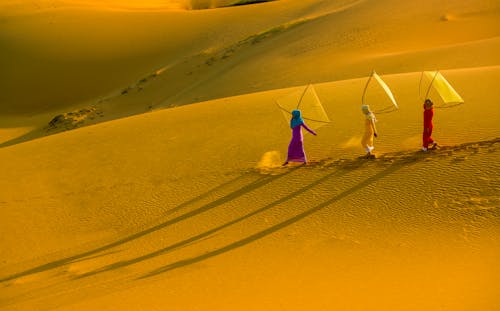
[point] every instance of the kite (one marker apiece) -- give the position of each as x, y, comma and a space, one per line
439, 90
308, 103
378, 95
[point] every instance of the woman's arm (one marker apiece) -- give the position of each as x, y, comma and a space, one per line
308, 129
374, 128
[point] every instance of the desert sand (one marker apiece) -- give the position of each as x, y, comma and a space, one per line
141, 151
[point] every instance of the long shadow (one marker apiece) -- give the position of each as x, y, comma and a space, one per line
204, 195
259, 235
227, 198
248, 2
203, 235
32, 135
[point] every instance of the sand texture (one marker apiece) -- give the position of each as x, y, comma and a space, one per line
141, 150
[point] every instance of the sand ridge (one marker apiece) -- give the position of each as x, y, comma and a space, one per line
86, 265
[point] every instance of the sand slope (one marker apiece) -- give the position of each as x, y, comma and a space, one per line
187, 208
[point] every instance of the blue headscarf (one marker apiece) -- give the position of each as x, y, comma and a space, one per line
296, 119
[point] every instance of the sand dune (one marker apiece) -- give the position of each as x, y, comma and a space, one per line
141, 166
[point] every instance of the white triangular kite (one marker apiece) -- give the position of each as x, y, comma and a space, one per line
438, 84
307, 101
378, 95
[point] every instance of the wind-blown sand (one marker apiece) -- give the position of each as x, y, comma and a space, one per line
157, 184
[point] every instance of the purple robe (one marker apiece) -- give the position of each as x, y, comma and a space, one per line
296, 148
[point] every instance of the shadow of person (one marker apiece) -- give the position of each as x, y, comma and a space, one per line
259, 235
260, 182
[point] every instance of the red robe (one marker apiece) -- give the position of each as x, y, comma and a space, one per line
426, 136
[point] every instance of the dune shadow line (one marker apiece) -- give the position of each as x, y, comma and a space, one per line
260, 182
32, 135
206, 234
259, 235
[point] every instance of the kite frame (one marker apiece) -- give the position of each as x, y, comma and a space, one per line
429, 90
302, 96
366, 87
298, 105
388, 109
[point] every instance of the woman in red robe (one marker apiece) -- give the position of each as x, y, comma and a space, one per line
428, 126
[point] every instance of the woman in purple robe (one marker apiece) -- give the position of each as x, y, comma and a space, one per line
296, 148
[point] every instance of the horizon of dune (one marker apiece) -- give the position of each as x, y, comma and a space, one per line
360, 42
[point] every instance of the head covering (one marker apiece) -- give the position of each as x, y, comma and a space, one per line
428, 104
296, 119
368, 114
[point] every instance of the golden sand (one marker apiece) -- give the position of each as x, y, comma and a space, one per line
141, 151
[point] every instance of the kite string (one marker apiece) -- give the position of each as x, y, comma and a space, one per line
430, 85
321, 121
301, 97
282, 108
420, 86
366, 87
309, 119
450, 106
385, 110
